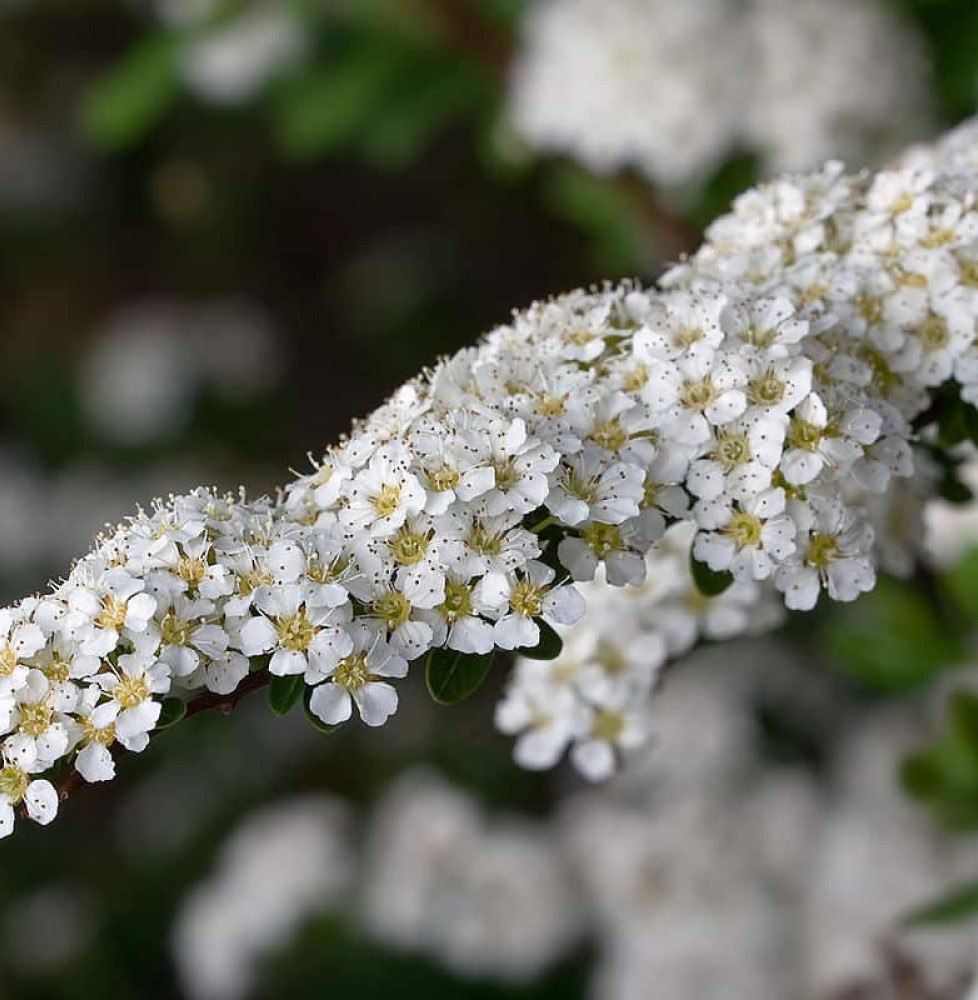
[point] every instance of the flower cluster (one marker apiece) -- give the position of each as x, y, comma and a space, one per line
670, 88
745, 423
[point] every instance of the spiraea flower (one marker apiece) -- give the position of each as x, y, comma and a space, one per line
758, 416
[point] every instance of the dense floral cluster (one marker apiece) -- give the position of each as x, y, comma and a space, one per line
754, 412
670, 89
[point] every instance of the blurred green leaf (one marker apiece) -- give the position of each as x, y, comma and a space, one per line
548, 648
959, 904
709, 582
172, 711
125, 103
424, 102
452, 676
960, 582
284, 693
891, 640
328, 105
945, 776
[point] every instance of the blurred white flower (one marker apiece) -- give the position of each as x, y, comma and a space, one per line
230, 62
485, 898
284, 864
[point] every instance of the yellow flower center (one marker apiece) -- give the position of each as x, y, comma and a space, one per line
527, 599
699, 394
686, 336
933, 333
394, 608
871, 309
610, 658
13, 784
131, 691
174, 631
609, 435
506, 474
386, 501
483, 541
249, 582
551, 406
8, 661
823, 550
445, 478
92, 734
113, 613
193, 572
804, 435
408, 547
602, 538
732, 450
457, 603
35, 717
607, 726
637, 378
352, 672
766, 390
295, 632
56, 670
744, 529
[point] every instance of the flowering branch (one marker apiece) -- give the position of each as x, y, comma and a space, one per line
686, 460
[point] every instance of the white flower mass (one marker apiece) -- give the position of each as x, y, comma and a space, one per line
671, 87
751, 411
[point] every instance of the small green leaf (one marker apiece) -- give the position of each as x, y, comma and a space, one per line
284, 693
891, 640
452, 676
313, 719
961, 903
125, 103
549, 646
329, 105
171, 712
709, 582
960, 581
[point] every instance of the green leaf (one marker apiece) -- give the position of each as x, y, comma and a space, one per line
961, 903
891, 640
452, 676
960, 582
284, 693
171, 712
548, 648
329, 105
709, 582
125, 103
314, 719
425, 101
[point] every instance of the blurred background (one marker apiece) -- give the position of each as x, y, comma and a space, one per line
227, 229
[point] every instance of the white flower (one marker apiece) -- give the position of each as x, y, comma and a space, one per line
130, 687
614, 725
459, 622
834, 555
740, 461
303, 640
38, 797
359, 679
586, 487
751, 539
19, 640
531, 596
709, 391
186, 636
106, 608
521, 465
546, 718
39, 736
384, 495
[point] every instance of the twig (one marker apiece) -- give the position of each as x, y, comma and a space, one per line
468, 32
224, 703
